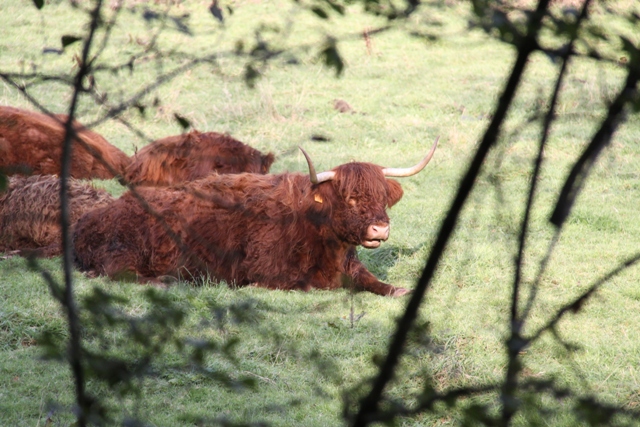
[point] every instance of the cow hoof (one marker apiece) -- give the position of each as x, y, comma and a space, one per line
10, 254
400, 292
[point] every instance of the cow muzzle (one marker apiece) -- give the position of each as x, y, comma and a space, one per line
376, 234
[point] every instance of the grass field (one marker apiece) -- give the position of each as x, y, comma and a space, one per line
290, 358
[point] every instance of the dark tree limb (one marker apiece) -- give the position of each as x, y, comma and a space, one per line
369, 406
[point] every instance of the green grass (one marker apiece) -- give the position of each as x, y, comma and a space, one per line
300, 349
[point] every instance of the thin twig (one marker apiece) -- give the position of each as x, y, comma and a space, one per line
577, 303
514, 343
581, 169
75, 345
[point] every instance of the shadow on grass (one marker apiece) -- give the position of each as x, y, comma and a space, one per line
380, 261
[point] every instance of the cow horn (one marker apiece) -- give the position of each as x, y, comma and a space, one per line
316, 178
398, 172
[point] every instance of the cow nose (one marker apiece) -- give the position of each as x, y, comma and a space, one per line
380, 232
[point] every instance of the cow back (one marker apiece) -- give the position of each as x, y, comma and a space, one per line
194, 155
31, 143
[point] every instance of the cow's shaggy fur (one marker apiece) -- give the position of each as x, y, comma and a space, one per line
30, 212
194, 155
275, 231
31, 143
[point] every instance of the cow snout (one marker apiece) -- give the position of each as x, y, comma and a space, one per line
380, 232
376, 233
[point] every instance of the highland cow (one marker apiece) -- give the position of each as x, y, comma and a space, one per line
30, 212
285, 231
194, 155
31, 143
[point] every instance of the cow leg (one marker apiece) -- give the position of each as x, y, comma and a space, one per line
364, 280
5, 254
49, 251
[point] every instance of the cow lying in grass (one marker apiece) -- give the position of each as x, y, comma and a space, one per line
194, 155
30, 212
31, 143
285, 231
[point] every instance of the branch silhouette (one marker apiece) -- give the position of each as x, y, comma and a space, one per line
370, 404
615, 115
75, 345
514, 343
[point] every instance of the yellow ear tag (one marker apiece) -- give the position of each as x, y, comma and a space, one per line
317, 198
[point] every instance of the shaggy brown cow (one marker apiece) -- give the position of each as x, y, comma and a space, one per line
194, 155
286, 231
30, 212
31, 142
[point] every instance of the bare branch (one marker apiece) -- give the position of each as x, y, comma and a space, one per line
581, 169
369, 405
75, 346
514, 343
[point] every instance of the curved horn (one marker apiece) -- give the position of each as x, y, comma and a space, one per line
316, 178
398, 172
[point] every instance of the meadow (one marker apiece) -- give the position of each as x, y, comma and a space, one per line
294, 358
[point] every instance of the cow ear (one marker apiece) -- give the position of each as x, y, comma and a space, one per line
267, 161
394, 193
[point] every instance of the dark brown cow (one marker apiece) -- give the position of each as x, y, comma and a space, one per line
194, 155
286, 231
30, 212
31, 143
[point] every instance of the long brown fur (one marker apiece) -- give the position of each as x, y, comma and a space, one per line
192, 156
30, 212
277, 231
31, 143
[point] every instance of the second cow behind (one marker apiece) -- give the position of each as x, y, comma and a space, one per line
194, 155
30, 207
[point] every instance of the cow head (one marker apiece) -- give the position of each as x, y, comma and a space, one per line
358, 195
250, 160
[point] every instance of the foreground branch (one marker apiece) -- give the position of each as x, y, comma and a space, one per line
75, 346
370, 404
514, 343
